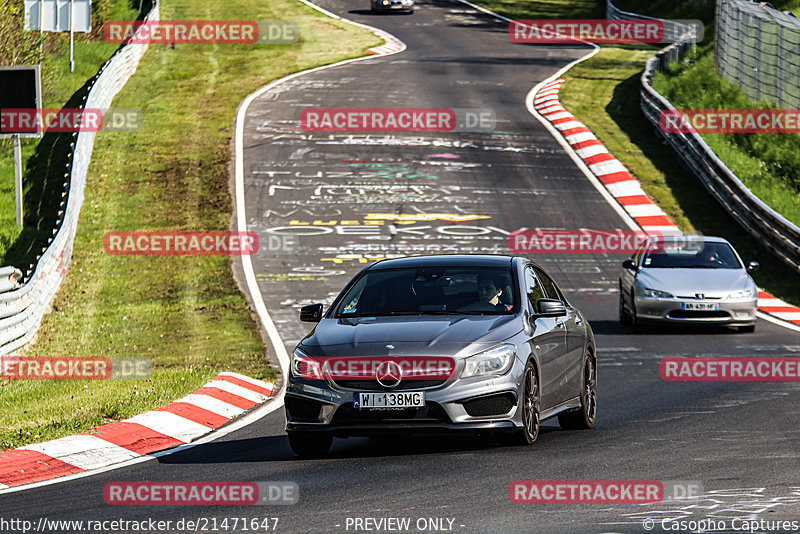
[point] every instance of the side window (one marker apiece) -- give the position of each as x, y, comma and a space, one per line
532, 287
550, 289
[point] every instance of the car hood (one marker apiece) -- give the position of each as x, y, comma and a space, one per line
687, 282
417, 335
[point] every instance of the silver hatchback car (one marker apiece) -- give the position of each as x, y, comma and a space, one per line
688, 279
441, 343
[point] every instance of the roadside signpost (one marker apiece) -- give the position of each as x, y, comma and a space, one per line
60, 16
20, 89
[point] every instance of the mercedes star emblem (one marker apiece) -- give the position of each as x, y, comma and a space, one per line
389, 374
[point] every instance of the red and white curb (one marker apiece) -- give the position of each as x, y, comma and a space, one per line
391, 46
622, 185
777, 308
227, 396
612, 174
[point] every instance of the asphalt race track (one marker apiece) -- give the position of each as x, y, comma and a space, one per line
326, 205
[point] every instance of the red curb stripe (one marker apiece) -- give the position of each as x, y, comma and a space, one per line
615, 177
134, 437
19, 467
654, 220
599, 158
586, 144
634, 200
562, 120
245, 384
765, 295
779, 309
576, 130
195, 413
225, 396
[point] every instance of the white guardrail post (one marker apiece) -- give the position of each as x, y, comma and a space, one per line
770, 228
22, 306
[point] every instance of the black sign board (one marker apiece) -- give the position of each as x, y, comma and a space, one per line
20, 88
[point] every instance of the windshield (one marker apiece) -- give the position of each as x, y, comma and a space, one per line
430, 290
684, 254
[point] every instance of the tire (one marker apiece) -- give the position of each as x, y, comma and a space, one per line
310, 444
747, 329
583, 419
624, 316
530, 404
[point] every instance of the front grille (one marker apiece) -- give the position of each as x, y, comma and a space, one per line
430, 413
373, 385
698, 314
490, 405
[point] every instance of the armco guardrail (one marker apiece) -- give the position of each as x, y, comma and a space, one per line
770, 228
22, 308
758, 49
673, 31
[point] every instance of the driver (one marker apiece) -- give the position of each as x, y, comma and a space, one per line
708, 255
488, 292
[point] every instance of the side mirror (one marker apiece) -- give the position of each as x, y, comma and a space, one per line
629, 264
752, 266
311, 313
550, 308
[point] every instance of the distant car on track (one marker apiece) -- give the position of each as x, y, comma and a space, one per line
688, 279
405, 6
509, 352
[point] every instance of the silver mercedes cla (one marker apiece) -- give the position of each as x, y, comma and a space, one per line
442, 343
688, 279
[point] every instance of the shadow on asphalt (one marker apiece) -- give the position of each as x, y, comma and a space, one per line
614, 328
276, 448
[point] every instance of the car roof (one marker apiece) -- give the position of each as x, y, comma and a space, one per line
445, 260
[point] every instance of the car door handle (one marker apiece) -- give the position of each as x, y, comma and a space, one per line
578, 321
560, 324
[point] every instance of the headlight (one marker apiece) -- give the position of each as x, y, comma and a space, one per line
495, 361
746, 294
655, 293
303, 366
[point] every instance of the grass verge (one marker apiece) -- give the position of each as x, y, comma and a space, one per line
185, 313
768, 163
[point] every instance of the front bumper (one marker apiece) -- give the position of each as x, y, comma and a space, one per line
729, 312
321, 406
